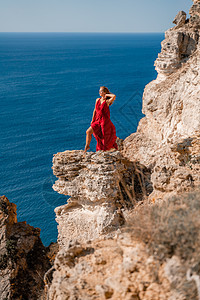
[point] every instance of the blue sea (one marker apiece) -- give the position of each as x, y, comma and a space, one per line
49, 83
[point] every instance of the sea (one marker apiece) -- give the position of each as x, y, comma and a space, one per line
49, 83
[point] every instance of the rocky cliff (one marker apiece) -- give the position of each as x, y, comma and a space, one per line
154, 256
122, 235
103, 187
23, 258
168, 137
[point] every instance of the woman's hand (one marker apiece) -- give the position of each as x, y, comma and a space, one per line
110, 95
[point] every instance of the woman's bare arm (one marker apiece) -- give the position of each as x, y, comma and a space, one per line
111, 100
93, 116
94, 111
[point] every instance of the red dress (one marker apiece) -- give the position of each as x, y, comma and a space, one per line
104, 129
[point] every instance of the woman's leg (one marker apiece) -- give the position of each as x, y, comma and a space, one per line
89, 133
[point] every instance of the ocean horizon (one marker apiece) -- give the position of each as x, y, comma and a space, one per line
74, 32
49, 83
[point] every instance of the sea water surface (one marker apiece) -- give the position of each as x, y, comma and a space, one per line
49, 83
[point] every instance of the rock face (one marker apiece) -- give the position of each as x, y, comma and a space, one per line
123, 268
168, 137
195, 14
180, 42
176, 49
102, 186
116, 268
23, 258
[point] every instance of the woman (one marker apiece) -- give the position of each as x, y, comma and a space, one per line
101, 126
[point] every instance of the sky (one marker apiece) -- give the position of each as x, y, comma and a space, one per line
89, 15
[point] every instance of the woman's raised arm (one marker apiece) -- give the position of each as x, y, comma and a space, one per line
111, 100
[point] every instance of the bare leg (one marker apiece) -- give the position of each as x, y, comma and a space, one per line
89, 133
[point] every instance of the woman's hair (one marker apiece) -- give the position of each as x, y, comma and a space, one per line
105, 90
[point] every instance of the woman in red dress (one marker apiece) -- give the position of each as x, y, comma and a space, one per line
101, 126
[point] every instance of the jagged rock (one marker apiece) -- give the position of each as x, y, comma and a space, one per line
119, 143
102, 185
180, 42
175, 166
171, 104
177, 47
116, 268
124, 268
23, 259
195, 15
180, 19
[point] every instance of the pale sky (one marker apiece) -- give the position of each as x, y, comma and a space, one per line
89, 15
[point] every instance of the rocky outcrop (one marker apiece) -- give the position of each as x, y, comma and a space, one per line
123, 268
177, 47
168, 137
23, 258
175, 167
103, 187
117, 268
180, 19
195, 14
180, 42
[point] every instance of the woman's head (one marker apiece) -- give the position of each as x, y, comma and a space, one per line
103, 90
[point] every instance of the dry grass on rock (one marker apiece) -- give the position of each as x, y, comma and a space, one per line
170, 227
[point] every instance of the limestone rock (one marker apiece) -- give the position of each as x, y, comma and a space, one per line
171, 105
180, 19
175, 166
123, 268
116, 268
195, 15
102, 185
23, 259
177, 47
180, 42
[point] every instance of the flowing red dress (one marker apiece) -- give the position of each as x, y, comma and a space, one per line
104, 129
